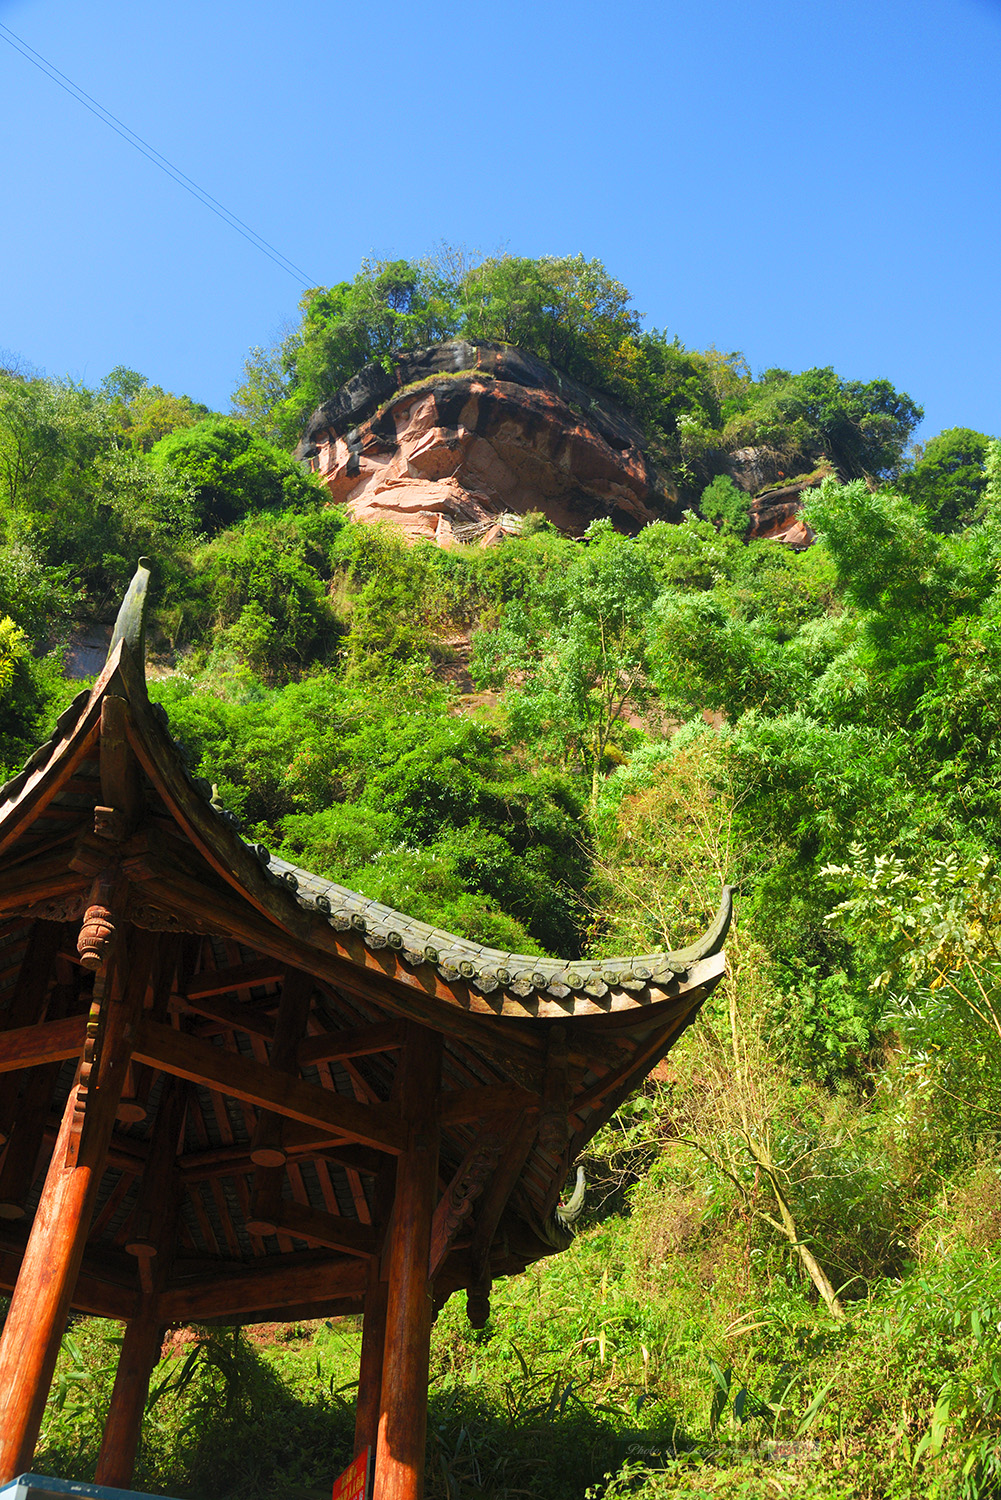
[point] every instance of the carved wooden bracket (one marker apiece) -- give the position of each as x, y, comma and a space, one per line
87, 1076
116, 1003
456, 1205
110, 824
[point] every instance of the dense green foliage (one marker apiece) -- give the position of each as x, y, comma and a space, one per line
562, 747
230, 470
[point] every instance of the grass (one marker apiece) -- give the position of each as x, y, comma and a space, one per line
603, 1373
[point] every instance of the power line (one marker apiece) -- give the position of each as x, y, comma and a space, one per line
156, 157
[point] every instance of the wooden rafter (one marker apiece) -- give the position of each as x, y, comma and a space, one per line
373, 1125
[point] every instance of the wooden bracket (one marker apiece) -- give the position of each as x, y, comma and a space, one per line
478, 1302
456, 1204
114, 1012
87, 1074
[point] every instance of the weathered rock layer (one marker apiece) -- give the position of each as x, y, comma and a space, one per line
774, 509
459, 441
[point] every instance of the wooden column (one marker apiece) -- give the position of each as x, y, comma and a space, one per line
150, 1240
399, 1464
123, 1428
373, 1342
51, 1262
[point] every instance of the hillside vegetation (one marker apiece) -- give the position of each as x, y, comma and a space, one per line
788, 1284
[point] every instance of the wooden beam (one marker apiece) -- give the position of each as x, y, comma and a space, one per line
358, 1041
647, 1057
229, 1013
27, 1140
468, 1106
152, 1219
500, 1188
28, 1003
310, 1140
240, 976
48, 1042
121, 790
297, 1312
376, 1125
49, 880
93, 1294
272, 1287
305, 1223
344, 962
266, 1148
557, 1091
30, 1115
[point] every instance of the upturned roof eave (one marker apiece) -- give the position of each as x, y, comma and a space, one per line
448, 968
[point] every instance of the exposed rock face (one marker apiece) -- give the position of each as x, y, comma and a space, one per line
776, 515
459, 441
775, 508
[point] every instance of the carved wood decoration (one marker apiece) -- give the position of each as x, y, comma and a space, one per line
99, 919
465, 1187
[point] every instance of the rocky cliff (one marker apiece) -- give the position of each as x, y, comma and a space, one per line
461, 440
774, 499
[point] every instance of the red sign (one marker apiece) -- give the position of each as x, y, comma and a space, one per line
356, 1481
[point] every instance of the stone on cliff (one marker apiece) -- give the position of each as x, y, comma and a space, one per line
458, 441
775, 507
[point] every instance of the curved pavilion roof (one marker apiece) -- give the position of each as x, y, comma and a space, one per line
538, 1053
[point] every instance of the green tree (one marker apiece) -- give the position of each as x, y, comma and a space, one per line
76, 497
862, 427
231, 471
388, 307
723, 502
259, 594
573, 656
567, 309
949, 479
145, 413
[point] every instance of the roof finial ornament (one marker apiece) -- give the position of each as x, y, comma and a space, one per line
130, 626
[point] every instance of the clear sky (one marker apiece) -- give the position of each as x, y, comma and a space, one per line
812, 183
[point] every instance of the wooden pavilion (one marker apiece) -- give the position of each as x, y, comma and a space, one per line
234, 1091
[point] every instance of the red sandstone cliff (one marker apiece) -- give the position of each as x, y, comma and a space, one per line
461, 440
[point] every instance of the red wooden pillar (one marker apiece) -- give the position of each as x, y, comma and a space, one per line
153, 1225
51, 1262
373, 1342
399, 1463
136, 1362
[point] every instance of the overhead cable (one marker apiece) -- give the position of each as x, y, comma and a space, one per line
156, 157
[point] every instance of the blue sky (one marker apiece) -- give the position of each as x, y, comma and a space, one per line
812, 183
